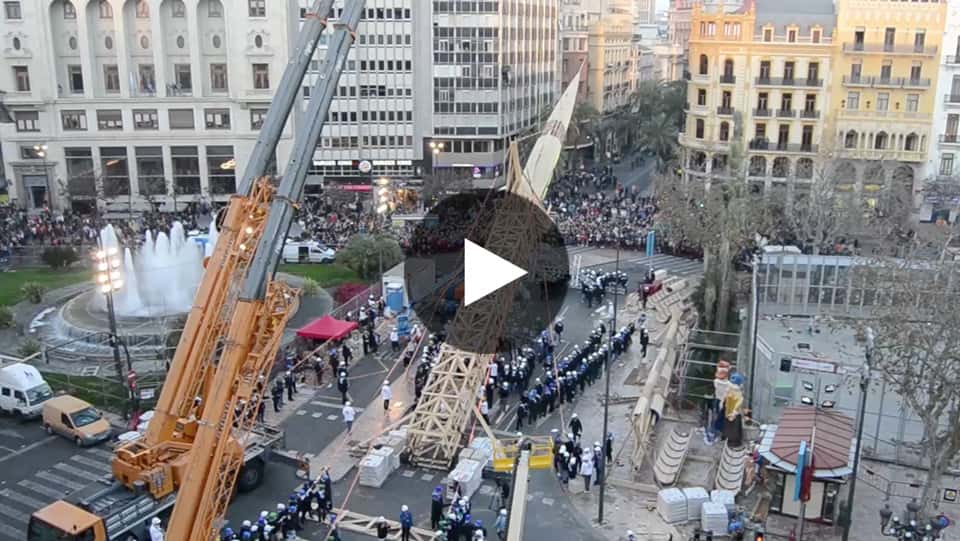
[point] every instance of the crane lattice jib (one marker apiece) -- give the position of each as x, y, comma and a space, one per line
444, 408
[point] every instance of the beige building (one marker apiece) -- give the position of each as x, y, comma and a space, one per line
611, 69
757, 79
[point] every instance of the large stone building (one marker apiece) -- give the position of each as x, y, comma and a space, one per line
943, 159
813, 84
132, 102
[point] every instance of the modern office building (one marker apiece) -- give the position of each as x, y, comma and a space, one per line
134, 104
943, 158
757, 78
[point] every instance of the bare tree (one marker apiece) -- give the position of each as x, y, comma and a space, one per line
822, 213
917, 347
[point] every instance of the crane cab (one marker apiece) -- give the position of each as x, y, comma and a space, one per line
61, 521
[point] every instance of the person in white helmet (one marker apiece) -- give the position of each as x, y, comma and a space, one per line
501, 524
156, 532
406, 523
576, 427
349, 414
386, 394
631, 536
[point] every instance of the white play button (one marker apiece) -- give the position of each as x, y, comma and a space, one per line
485, 272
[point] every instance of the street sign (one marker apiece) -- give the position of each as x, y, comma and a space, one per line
148, 393
814, 365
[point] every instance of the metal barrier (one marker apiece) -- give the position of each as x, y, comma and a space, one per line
506, 450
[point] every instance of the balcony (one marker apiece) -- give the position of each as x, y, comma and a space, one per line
726, 79
768, 146
762, 112
788, 81
883, 48
724, 111
882, 154
952, 98
886, 82
916, 83
786, 113
809, 113
950, 139
856, 80
178, 91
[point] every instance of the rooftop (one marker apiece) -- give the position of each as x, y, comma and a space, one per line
831, 341
829, 432
805, 13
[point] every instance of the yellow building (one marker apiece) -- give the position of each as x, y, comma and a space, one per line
848, 85
887, 52
757, 75
611, 71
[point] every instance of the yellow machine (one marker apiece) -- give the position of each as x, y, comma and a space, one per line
203, 435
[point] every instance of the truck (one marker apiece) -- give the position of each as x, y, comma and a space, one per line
107, 510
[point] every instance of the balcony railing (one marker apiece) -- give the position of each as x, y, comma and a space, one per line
889, 49
761, 112
786, 113
177, 91
881, 81
727, 79
788, 81
808, 113
951, 98
763, 81
724, 110
916, 83
851, 80
950, 138
779, 146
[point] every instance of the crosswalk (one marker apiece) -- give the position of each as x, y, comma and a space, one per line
19, 500
675, 266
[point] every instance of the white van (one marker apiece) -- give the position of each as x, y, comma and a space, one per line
23, 390
308, 252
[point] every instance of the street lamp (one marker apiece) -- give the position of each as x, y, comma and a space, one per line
40, 151
109, 280
436, 147
606, 392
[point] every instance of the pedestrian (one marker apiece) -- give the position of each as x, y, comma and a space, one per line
644, 340
347, 353
349, 414
558, 330
394, 340
608, 447
343, 384
436, 508
386, 394
291, 384
643, 295
501, 524
382, 528
406, 522
586, 468
631, 536
598, 463
366, 343
156, 531
576, 427
485, 412
261, 412
522, 410
276, 394
318, 369
327, 486
479, 531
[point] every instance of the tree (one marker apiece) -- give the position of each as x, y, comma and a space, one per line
368, 255
59, 257
817, 217
659, 136
917, 347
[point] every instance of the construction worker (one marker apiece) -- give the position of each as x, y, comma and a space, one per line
501, 524
406, 523
386, 394
156, 532
343, 382
576, 427
436, 508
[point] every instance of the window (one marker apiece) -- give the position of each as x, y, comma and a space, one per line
183, 77
726, 99
850, 140
75, 79
806, 138
261, 76
815, 36
116, 171
221, 170
762, 101
69, 12
214, 9
704, 63
217, 119
110, 119
181, 119
11, 10
145, 119
853, 101
256, 118
880, 141
810, 103
911, 142
728, 68
257, 8
913, 102
918, 41
106, 10
760, 131
148, 78
150, 174
768, 34
218, 77
111, 78
788, 70
946, 164
186, 169
74, 120
886, 71
724, 131
765, 70
915, 72
178, 9
856, 70
783, 136
699, 128
27, 120
80, 173
701, 96
883, 101
143, 9
792, 35
858, 38
786, 102
22, 76
889, 38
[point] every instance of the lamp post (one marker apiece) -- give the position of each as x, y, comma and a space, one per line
436, 148
606, 392
41, 152
861, 413
109, 280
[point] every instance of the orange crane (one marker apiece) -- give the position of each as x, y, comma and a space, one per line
203, 435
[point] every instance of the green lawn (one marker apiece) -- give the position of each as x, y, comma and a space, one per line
324, 275
12, 282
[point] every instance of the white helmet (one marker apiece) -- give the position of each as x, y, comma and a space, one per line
246, 524
386, 382
574, 416
404, 508
281, 507
155, 521
503, 512
346, 403
264, 514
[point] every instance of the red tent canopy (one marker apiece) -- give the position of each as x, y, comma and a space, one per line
327, 328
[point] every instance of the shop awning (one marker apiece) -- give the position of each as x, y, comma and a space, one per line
830, 432
327, 328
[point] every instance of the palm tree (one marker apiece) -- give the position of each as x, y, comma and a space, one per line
659, 136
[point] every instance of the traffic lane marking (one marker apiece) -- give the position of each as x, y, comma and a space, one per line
28, 448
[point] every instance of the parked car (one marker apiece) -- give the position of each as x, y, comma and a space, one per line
23, 390
308, 252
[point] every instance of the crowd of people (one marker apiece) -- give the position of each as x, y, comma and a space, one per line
591, 209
